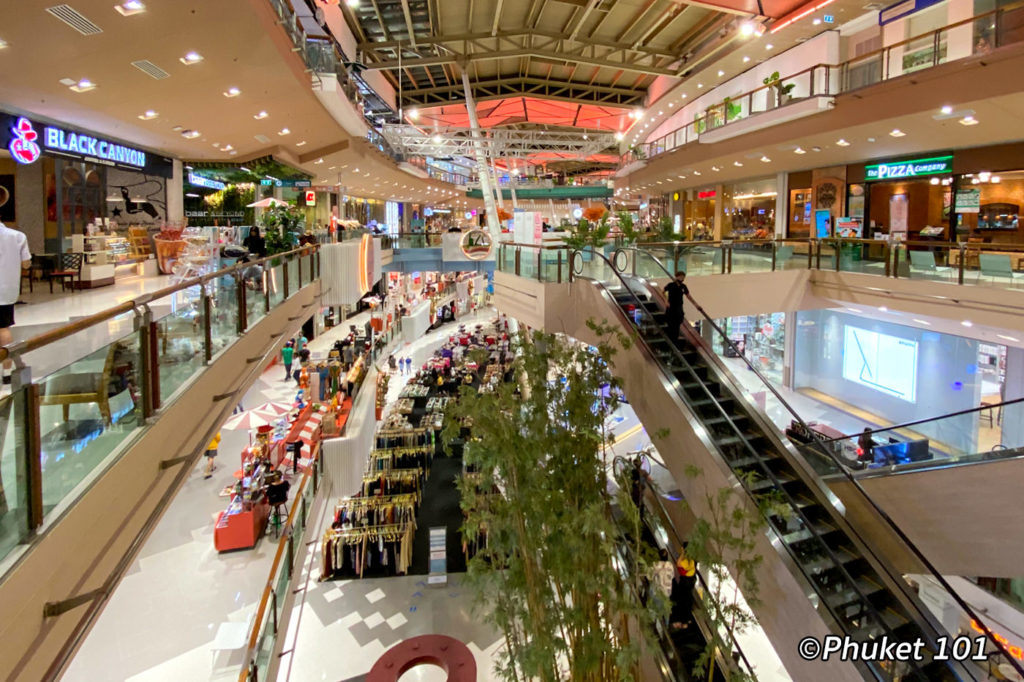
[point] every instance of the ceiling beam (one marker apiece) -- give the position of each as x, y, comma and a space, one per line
503, 88
637, 18
473, 58
497, 18
522, 34
408, 22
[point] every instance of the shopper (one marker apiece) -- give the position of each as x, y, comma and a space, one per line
682, 593
391, 362
676, 290
211, 455
287, 353
14, 257
300, 343
865, 447
255, 244
408, 365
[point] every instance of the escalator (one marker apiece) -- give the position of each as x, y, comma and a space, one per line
854, 591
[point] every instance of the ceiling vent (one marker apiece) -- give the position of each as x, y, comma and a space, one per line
873, 6
75, 19
262, 138
150, 69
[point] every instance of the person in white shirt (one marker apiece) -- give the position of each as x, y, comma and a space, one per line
14, 257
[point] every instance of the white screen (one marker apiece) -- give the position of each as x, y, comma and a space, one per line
882, 362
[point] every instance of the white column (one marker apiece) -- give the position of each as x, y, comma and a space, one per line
481, 161
781, 205
175, 195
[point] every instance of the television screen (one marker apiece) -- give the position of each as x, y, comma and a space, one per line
885, 363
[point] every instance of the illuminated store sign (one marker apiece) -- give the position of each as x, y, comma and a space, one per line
200, 181
27, 141
914, 168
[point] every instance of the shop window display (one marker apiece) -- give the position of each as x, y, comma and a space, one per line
748, 209
761, 339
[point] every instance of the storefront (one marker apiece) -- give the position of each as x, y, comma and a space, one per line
63, 185
699, 213
748, 209
907, 199
760, 338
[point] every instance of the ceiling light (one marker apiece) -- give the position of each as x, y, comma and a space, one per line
967, 323
747, 29
715, 168
768, 46
149, 115
243, 168
188, 167
619, 136
352, 3
853, 310
924, 322
737, 164
842, 143
721, 73
896, 132
696, 172
284, 131
232, 92
746, 59
436, 139
226, 148
984, 176
934, 181
883, 308
414, 114
584, 136
671, 104
946, 110
84, 85
995, 180
816, 22
660, 113
683, 96
968, 121
190, 134
799, 150
3, 43
130, 7
260, 116
188, 194
191, 58
765, 159
700, 85
318, 161
1008, 338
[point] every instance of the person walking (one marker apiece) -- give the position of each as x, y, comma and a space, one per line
392, 363
287, 354
865, 447
211, 455
676, 291
14, 257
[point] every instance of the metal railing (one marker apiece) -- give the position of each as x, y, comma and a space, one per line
976, 35
127, 361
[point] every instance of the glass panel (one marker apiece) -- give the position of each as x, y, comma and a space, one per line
991, 265
275, 282
293, 276
179, 324
87, 410
255, 302
920, 260
791, 255
266, 641
550, 271
224, 321
859, 255
13, 476
705, 259
751, 257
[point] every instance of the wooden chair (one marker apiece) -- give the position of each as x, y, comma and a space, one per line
69, 267
81, 387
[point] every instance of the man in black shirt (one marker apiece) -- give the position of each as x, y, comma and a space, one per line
675, 290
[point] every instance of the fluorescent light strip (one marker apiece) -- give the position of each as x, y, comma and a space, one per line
786, 22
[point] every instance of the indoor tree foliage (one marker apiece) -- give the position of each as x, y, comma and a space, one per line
546, 577
588, 234
282, 225
626, 225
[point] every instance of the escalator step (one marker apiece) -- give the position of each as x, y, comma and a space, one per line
744, 462
803, 535
847, 596
763, 484
822, 563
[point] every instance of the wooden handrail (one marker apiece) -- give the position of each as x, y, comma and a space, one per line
66, 330
282, 544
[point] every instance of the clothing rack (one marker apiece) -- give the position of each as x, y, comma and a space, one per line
378, 551
404, 458
397, 482
370, 512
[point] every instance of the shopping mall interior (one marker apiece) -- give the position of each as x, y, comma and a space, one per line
424, 340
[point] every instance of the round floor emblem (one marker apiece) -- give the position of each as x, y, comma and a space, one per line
476, 244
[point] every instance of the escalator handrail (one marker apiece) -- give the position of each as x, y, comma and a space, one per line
860, 489
868, 605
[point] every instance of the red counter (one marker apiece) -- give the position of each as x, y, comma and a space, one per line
241, 529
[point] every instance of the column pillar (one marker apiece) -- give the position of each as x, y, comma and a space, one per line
481, 161
176, 195
781, 207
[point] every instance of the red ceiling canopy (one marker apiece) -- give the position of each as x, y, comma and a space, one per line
529, 110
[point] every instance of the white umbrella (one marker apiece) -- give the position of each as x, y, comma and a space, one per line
267, 203
246, 420
272, 410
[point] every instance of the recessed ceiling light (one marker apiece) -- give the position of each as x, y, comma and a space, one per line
746, 59
226, 148
737, 164
747, 29
190, 134
842, 143
318, 161
799, 150
969, 121
883, 308
149, 115
721, 73
816, 22
190, 194
671, 104
768, 46
715, 168
924, 322
765, 159
300, 144
436, 139
1008, 338
284, 131
896, 132
261, 115
700, 85
130, 7
946, 110
683, 96
934, 181
853, 310
191, 58
352, 3
232, 92
871, 139
84, 85
967, 323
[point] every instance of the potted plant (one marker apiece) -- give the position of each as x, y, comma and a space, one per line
626, 225
733, 110
282, 225
782, 96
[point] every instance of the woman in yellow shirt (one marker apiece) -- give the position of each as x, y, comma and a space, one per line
211, 454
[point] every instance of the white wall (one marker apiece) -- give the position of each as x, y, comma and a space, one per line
822, 49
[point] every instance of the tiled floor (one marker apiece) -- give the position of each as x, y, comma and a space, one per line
180, 579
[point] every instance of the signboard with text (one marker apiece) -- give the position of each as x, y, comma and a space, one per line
968, 200
27, 140
914, 168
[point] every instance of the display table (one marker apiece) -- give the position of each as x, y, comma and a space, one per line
241, 524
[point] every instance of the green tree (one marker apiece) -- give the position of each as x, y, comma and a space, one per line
282, 226
587, 235
549, 577
626, 225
